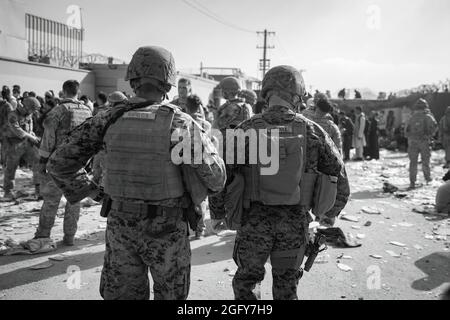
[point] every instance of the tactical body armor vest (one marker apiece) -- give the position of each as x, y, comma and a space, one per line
138, 159
283, 188
231, 113
75, 113
417, 128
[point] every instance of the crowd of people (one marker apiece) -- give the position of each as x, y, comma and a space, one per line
125, 143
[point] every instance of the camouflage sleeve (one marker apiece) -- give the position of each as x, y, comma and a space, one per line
432, 123
13, 123
192, 146
337, 138
66, 164
48, 142
329, 161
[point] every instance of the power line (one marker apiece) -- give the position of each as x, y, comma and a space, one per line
204, 10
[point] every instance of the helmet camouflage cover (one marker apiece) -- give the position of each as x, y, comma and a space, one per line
285, 79
249, 95
153, 65
230, 84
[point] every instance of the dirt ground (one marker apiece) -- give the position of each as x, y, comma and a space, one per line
416, 266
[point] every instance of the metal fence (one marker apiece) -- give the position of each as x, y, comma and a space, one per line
53, 42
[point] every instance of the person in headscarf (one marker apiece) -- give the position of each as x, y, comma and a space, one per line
444, 135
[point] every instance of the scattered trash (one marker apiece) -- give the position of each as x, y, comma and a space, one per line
368, 223
360, 236
337, 238
43, 265
226, 233
226, 270
429, 237
57, 258
417, 247
350, 218
376, 256
232, 273
371, 210
405, 224
400, 195
388, 187
398, 244
8, 229
393, 254
344, 267
356, 227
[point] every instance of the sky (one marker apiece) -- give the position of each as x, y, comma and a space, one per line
384, 45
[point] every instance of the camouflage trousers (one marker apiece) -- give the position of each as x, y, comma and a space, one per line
416, 147
52, 197
14, 153
137, 242
279, 233
446, 145
217, 206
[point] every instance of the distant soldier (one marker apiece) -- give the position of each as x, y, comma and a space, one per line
227, 116
60, 121
20, 143
420, 129
444, 136
323, 118
346, 127
276, 207
249, 97
146, 230
102, 103
184, 91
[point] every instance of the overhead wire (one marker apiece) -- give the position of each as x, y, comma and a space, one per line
207, 12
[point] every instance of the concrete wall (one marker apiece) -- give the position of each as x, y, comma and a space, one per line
111, 77
12, 30
41, 77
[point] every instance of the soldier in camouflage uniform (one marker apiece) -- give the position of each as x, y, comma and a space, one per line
227, 116
275, 221
249, 97
145, 226
322, 117
20, 142
420, 130
59, 122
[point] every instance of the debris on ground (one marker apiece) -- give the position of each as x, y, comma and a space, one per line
371, 210
43, 265
398, 244
344, 267
393, 254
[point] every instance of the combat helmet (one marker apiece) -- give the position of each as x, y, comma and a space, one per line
153, 65
31, 103
421, 104
249, 95
285, 79
230, 84
116, 97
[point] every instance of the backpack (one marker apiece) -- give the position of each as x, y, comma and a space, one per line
418, 126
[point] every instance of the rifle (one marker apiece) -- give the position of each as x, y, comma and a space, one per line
313, 250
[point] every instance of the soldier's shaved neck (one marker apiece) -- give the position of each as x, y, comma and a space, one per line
150, 93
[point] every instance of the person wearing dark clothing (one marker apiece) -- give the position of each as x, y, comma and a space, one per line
373, 150
346, 126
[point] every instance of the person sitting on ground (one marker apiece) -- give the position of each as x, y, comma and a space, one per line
443, 195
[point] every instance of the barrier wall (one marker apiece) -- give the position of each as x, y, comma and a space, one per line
41, 77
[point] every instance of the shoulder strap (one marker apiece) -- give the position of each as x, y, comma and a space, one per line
118, 112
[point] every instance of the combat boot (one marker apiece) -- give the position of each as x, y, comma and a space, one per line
68, 241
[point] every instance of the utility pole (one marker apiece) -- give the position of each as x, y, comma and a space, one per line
264, 63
